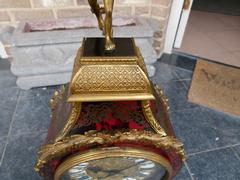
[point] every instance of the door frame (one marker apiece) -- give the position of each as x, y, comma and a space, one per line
176, 25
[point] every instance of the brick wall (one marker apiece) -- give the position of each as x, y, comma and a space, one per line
13, 11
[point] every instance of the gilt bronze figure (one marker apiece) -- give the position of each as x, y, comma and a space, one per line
104, 24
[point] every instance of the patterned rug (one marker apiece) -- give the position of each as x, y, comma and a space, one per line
216, 86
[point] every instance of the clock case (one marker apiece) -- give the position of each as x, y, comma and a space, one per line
109, 109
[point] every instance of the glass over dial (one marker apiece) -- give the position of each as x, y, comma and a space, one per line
117, 168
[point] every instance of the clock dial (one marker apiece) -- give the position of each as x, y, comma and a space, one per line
126, 168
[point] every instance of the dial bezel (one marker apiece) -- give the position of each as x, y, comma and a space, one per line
97, 154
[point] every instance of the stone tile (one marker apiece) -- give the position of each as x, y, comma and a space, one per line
224, 57
8, 94
41, 91
4, 173
177, 95
187, 84
7, 79
184, 74
215, 165
164, 73
213, 23
236, 149
7, 110
236, 54
21, 155
180, 61
4, 64
183, 61
33, 111
199, 43
229, 40
183, 174
231, 20
2, 145
199, 132
226, 127
190, 128
8, 99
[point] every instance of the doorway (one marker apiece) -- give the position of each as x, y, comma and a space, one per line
213, 31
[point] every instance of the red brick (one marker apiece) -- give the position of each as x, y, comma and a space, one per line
15, 4
52, 3
74, 13
33, 14
160, 12
4, 16
142, 10
82, 2
161, 2
122, 11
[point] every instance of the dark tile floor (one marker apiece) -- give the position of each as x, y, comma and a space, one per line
211, 138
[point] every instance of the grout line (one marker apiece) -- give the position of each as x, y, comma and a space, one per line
184, 85
189, 171
10, 128
214, 149
27, 133
177, 67
181, 68
185, 79
173, 80
236, 154
181, 110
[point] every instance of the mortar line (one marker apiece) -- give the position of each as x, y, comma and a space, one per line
55, 13
75, 3
150, 9
31, 4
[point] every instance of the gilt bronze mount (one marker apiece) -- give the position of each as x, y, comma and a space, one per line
110, 121
110, 112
